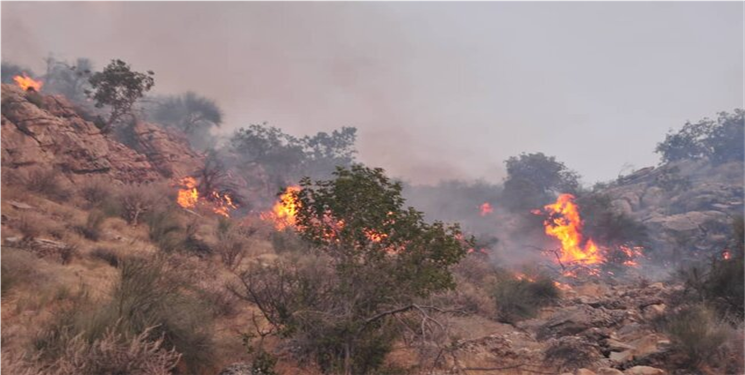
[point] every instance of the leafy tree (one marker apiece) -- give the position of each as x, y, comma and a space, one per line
119, 87
277, 152
70, 80
533, 180
285, 158
324, 152
719, 140
374, 259
193, 114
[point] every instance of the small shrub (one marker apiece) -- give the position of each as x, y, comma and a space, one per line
571, 352
165, 230
231, 246
96, 191
47, 183
519, 299
29, 228
92, 227
698, 334
109, 256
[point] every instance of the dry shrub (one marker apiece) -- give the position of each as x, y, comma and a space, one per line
28, 226
571, 352
18, 268
699, 335
519, 299
232, 244
47, 182
136, 200
150, 300
95, 191
92, 227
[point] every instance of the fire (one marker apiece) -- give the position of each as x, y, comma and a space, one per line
486, 209
632, 253
374, 236
726, 254
564, 223
188, 197
284, 211
27, 83
563, 287
522, 276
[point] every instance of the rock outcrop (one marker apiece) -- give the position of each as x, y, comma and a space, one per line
43, 131
689, 202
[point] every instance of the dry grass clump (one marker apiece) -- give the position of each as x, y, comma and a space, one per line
113, 353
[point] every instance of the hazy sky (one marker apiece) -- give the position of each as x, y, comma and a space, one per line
437, 90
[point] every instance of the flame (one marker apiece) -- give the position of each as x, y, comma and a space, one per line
562, 286
726, 254
375, 236
27, 83
486, 209
632, 253
564, 223
188, 196
522, 276
284, 211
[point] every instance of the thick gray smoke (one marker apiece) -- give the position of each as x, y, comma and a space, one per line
437, 90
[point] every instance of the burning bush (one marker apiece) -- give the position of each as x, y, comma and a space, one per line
370, 260
519, 298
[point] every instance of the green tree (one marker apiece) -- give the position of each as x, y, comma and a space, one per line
324, 152
276, 152
719, 140
193, 114
374, 259
533, 180
118, 87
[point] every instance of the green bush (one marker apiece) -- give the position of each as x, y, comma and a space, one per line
519, 299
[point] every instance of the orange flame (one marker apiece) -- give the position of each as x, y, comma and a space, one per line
27, 83
188, 197
564, 223
284, 211
632, 253
486, 209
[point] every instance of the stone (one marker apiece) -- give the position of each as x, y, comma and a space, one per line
645, 345
20, 205
644, 370
653, 311
621, 357
56, 134
616, 345
608, 371
241, 368
584, 371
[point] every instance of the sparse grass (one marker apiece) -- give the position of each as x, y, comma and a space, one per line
165, 230
571, 352
519, 299
698, 334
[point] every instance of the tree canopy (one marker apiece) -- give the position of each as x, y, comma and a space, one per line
719, 140
118, 87
533, 180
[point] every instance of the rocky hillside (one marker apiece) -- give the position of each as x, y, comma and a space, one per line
44, 131
689, 202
